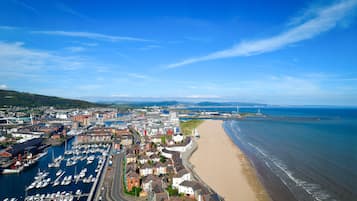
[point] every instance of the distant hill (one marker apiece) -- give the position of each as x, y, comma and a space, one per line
183, 103
143, 103
14, 98
207, 104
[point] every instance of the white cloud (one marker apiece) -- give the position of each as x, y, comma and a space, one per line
90, 35
71, 11
76, 49
3, 86
16, 59
149, 47
7, 27
26, 6
139, 76
324, 20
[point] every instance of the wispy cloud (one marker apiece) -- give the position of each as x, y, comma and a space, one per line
139, 76
90, 44
26, 6
149, 47
71, 11
7, 27
15, 57
76, 49
324, 19
91, 35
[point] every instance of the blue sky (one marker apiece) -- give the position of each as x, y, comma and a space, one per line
277, 52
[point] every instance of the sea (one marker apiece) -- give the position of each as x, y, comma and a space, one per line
14, 185
304, 154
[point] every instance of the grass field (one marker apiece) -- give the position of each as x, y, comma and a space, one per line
188, 126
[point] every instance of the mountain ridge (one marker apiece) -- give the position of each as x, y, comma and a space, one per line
25, 99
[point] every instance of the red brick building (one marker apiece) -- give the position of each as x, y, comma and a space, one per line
132, 180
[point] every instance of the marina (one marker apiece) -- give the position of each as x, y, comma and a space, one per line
63, 174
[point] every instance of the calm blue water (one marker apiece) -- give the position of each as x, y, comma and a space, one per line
112, 123
302, 153
14, 185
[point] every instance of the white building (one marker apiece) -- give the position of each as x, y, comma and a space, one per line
146, 170
26, 136
181, 176
61, 116
188, 188
143, 159
178, 138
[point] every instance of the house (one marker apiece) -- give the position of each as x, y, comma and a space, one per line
126, 140
158, 192
146, 169
130, 158
143, 159
116, 145
178, 138
160, 168
148, 182
181, 176
161, 196
182, 146
150, 152
155, 158
132, 180
135, 149
131, 167
155, 139
189, 188
203, 194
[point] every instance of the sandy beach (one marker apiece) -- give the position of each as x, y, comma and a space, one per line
224, 167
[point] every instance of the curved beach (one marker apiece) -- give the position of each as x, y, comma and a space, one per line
220, 164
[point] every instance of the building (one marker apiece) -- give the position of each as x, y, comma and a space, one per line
94, 138
148, 182
178, 138
181, 176
188, 188
145, 170
130, 158
155, 158
143, 159
132, 180
131, 167
82, 119
126, 140
156, 139
160, 168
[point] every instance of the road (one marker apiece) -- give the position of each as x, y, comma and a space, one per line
111, 188
135, 134
117, 184
113, 182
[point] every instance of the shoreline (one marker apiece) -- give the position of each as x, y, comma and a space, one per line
224, 167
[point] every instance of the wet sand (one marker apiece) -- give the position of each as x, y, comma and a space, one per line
220, 164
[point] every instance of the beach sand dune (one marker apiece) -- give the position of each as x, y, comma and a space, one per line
224, 167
